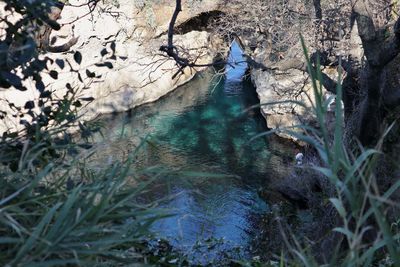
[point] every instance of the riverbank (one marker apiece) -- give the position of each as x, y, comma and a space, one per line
200, 136
118, 66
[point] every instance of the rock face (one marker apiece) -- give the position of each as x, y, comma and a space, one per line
140, 74
277, 93
294, 86
280, 95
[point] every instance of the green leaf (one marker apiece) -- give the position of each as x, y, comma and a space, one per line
35, 236
53, 24
105, 64
339, 207
78, 57
29, 105
344, 231
90, 74
60, 63
103, 52
88, 99
12, 79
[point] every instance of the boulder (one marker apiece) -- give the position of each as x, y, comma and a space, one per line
278, 94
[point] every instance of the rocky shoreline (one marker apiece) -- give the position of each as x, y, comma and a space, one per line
121, 66
137, 73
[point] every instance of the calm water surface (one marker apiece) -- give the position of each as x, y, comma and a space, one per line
202, 127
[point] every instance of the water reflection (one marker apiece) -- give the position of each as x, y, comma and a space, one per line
201, 127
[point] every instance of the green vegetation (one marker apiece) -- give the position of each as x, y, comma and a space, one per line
62, 215
368, 218
364, 210
57, 210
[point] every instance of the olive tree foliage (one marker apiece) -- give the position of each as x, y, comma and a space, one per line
25, 44
26, 27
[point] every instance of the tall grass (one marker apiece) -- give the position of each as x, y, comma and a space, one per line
70, 214
369, 238
66, 213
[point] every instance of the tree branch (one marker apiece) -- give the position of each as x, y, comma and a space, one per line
295, 63
318, 9
366, 27
178, 8
43, 37
390, 49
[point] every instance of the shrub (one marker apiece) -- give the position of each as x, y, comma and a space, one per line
368, 231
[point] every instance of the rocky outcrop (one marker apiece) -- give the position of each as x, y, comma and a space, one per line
140, 73
287, 98
279, 94
131, 31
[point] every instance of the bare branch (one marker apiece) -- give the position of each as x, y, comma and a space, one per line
178, 8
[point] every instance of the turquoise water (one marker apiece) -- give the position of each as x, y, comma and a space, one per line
199, 130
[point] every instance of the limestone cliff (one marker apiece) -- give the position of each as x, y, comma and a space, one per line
140, 73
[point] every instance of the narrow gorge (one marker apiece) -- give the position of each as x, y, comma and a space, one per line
199, 133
